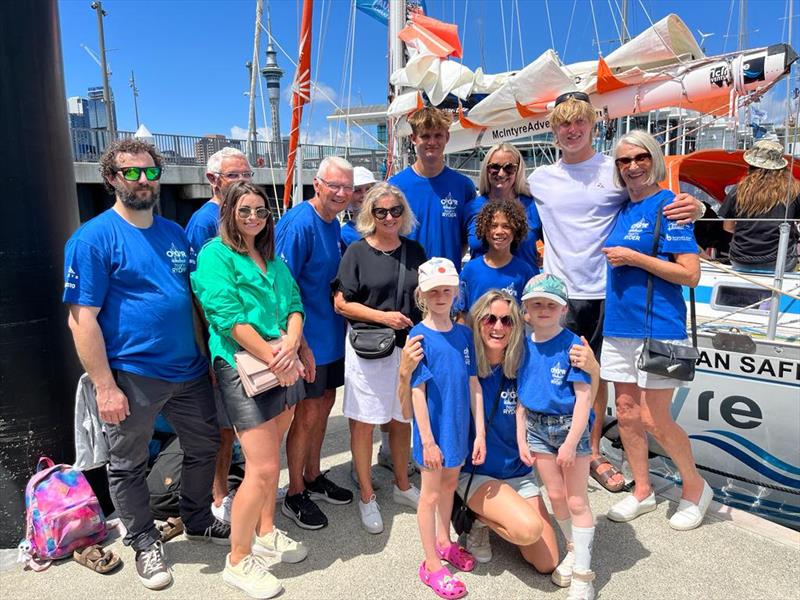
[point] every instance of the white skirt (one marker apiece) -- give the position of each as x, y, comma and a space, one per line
370, 387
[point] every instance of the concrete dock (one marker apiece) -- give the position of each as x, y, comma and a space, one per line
733, 555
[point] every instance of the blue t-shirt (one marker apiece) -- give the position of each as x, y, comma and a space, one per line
526, 250
440, 205
546, 375
626, 287
349, 234
203, 225
445, 370
310, 247
502, 454
140, 280
477, 278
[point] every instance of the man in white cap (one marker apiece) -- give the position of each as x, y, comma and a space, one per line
363, 180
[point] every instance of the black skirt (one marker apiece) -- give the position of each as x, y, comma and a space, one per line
245, 412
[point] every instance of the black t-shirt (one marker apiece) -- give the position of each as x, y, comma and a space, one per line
756, 242
370, 277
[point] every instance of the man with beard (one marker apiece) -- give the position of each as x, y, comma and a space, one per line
126, 283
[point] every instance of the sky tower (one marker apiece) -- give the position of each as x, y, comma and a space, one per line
272, 74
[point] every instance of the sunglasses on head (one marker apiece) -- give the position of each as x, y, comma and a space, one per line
582, 96
495, 168
624, 161
133, 173
381, 213
245, 211
491, 320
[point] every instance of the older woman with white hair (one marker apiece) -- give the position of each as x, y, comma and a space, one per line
503, 178
374, 291
635, 257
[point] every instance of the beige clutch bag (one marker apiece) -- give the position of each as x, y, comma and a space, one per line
255, 374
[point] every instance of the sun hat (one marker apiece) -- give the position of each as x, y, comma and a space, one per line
766, 154
362, 176
436, 272
547, 286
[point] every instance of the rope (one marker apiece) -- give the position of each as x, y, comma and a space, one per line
755, 282
503, 27
614, 20
550, 23
519, 34
728, 30
596, 34
569, 29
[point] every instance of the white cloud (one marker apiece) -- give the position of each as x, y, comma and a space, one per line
240, 133
320, 92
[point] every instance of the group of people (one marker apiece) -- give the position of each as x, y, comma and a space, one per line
491, 369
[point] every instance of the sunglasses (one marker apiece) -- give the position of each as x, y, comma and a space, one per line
245, 211
625, 161
382, 213
495, 168
133, 173
491, 321
582, 96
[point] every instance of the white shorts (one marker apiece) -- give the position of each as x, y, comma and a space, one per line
618, 363
370, 387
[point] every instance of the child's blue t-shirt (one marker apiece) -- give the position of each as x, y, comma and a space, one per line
626, 286
526, 250
440, 205
477, 278
310, 247
546, 375
445, 370
203, 225
139, 278
349, 234
502, 453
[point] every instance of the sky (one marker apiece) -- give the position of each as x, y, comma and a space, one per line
189, 56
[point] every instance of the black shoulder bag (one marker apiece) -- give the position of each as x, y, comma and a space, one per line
663, 358
378, 342
462, 516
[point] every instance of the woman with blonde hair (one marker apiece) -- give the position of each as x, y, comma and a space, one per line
503, 178
769, 192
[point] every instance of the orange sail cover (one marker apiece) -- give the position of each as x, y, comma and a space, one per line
439, 38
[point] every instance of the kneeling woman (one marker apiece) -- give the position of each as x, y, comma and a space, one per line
249, 298
504, 493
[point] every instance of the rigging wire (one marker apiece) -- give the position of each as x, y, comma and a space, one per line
503, 27
519, 34
257, 66
663, 41
614, 20
596, 34
728, 30
550, 24
352, 26
569, 30
313, 89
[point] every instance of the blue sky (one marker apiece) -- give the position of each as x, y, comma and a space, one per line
189, 56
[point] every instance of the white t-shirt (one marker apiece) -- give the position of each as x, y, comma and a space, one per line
577, 204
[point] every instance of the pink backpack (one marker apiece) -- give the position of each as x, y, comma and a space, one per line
62, 514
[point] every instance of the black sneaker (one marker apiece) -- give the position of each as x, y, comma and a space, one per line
302, 510
323, 488
218, 533
153, 572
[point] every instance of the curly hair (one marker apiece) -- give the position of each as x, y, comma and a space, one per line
763, 189
228, 229
514, 212
108, 161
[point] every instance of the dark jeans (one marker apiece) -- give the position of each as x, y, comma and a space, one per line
189, 408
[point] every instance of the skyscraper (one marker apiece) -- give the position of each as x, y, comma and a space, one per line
272, 74
97, 109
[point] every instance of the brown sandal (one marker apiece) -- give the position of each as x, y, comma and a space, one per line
97, 558
170, 528
605, 477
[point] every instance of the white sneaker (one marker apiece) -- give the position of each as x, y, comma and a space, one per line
252, 576
282, 491
581, 587
629, 508
562, 575
371, 515
409, 497
223, 511
279, 545
690, 515
478, 543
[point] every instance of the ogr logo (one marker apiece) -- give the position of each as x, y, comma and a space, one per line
449, 206
179, 259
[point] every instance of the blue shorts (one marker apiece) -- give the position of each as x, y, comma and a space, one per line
547, 433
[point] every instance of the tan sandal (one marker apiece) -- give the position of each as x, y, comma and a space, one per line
170, 528
97, 558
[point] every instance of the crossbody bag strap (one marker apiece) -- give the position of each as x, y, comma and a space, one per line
488, 424
654, 252
401, 279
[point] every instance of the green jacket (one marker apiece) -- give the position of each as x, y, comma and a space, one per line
232, 289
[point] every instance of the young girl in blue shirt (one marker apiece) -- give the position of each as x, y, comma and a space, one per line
444, 389
554, 419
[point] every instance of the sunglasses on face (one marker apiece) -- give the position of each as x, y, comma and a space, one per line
491, 321
582, 96
495, 168
626, 161
134, 173
395, 211
245, 211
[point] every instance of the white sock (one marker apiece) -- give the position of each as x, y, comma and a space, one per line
566, 528
385, 442
583, 537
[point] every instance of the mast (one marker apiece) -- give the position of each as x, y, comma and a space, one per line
135, 90
397, 20
252, 153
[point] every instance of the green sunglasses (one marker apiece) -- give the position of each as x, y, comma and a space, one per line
134, 173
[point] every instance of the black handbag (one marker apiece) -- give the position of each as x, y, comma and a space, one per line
372, 342
664, 358
462, 516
